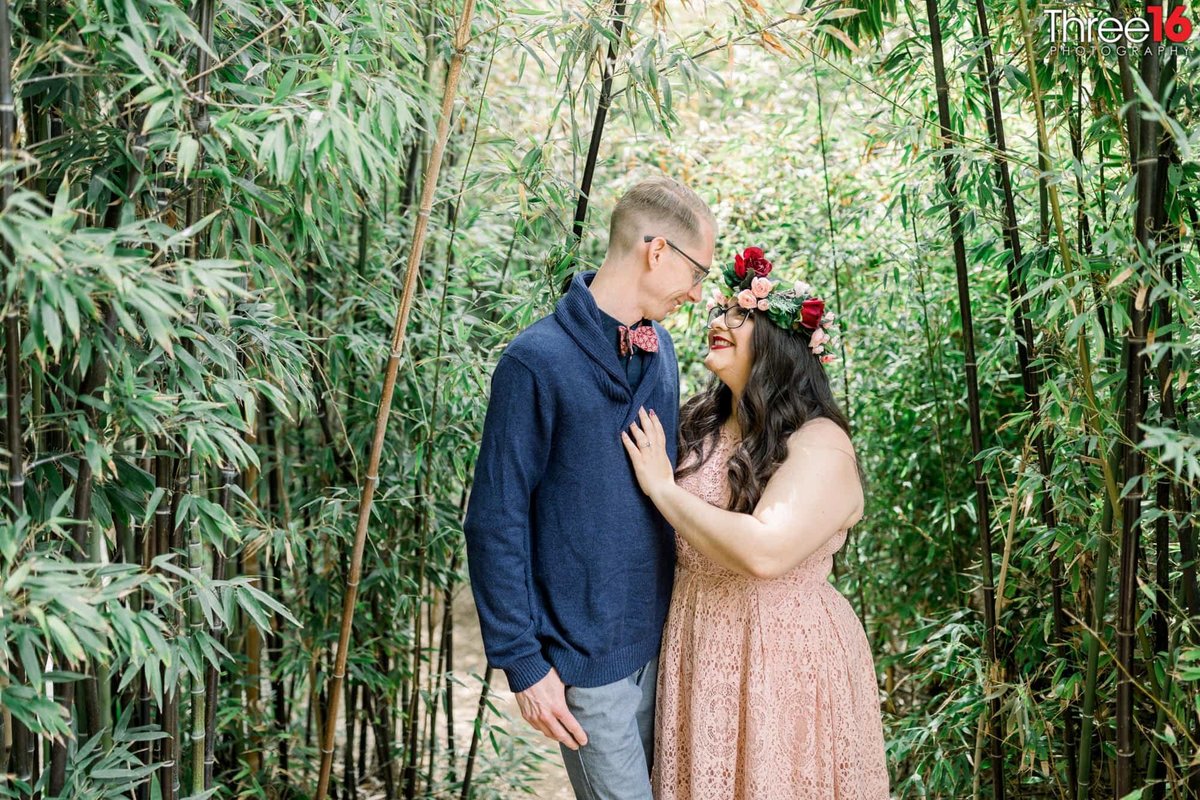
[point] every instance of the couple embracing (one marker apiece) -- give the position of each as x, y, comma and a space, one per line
653, 580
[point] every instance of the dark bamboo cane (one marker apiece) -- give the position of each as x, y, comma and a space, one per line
1030, 379
1082, 226
211, 675
349, 775
447, 651
1135, 341
364, 730
602, 105
383, 728
168, 771
476, 735
203, 696
983, 520
389, 382
25, 744
1117, 9
935, 370
86, 540
88, 698
1164, 643
252, 638
413, 161
412, 713
275, 677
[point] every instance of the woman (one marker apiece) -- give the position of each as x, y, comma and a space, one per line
766, 685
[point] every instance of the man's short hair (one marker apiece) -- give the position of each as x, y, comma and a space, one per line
658, 206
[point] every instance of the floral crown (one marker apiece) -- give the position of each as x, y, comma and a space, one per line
795, 309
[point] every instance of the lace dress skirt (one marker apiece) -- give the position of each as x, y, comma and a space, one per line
767, 688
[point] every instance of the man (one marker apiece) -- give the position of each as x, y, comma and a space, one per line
570, 564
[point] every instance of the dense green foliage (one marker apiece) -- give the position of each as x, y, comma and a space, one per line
208, 210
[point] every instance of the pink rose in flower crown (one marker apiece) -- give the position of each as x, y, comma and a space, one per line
817, 342
811, 311
761, 287
746, 299
752, 259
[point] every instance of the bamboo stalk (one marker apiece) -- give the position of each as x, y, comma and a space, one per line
275, 491
476, 734
25, 744
172, 750
196, 623
1030, 378
228, 476
983, 520
203, 698
605, 100
412, 706
348, 773
936, 383
1135, 341
382, 721
413, 162
389, 382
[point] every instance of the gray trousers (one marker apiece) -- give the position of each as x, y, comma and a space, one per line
618, 719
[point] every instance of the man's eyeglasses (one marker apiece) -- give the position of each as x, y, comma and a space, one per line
734, 315
698, 269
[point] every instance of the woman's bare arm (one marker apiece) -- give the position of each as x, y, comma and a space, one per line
813, 494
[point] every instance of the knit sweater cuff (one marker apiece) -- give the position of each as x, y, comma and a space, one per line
526, 672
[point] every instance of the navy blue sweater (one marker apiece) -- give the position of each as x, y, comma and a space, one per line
571, 564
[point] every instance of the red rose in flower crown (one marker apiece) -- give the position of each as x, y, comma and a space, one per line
811, 311
753, 259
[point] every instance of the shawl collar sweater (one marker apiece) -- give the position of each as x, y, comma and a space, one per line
571, 565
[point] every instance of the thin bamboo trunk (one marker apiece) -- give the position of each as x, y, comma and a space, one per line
1135, 341
25, 744
212, 674
252, 638
589, 165
413, 161
389, 382
476, 734
935, 372
983, 520
413, 704
349, 775
275, 678
172, 748
1092, 643
447, 651
196, 623
86, 540
1030, 379
145, 710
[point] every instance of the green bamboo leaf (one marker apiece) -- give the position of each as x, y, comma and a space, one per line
66, 639
189, 148
51, 327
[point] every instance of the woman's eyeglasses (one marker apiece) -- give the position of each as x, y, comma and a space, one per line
735, 316
699, 271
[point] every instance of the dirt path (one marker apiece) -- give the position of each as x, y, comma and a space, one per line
468, 659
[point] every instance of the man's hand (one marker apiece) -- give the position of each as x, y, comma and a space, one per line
544, 706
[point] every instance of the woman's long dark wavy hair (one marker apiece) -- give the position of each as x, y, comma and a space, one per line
787, 387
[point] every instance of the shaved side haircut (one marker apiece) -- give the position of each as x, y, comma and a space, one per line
658, 207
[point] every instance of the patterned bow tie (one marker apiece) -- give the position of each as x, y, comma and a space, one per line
643, 338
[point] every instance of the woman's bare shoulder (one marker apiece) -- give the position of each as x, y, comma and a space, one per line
822, 432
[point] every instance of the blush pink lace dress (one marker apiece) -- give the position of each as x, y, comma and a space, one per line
766, 688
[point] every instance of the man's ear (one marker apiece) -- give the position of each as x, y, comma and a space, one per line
655, 251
